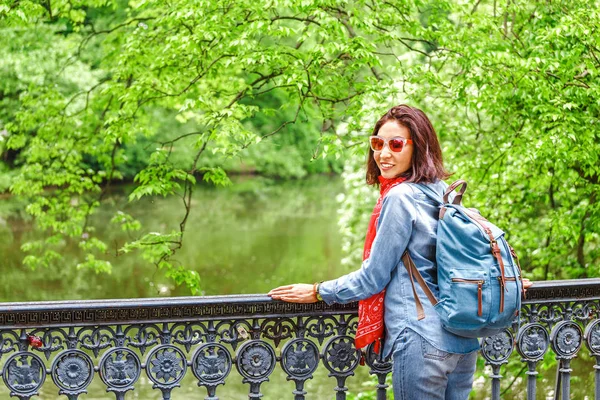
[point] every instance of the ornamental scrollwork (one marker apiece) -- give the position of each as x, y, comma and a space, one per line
234, 332
584, 311
278, 329
9, 342
53, 339
145, 336
96, 339
189, 335
321, 328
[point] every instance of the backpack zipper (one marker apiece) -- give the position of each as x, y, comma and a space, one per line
479, 283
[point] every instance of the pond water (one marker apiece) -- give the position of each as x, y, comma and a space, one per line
247, 238
272, 232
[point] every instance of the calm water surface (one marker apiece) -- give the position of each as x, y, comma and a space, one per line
247, 238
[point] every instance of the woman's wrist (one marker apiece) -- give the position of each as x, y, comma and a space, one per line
316, 290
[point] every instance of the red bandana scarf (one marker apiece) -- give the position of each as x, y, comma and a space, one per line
370, 311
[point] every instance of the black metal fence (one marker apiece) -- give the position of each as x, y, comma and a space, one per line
120, 340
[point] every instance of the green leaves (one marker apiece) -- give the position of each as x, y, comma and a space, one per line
92, 92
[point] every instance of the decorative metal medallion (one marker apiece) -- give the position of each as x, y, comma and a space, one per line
255, 360
119, 368
340, 355
592, 337
496, 349
72, 372
533, 341
24, 374
566, 339
300, 358
211, 364
166, 366
374, 360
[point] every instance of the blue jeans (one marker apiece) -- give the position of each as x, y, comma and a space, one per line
422, 372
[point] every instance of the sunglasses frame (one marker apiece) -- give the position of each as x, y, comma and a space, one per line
386, 143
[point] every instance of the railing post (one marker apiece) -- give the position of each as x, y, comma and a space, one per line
495, 381
341, 358
532, 343
255, 361
531, 380
379, 367
592, 341
566, 339
496, 350
597, 381
299, 359
565, 377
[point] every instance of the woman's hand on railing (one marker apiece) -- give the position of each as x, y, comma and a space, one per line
296, 293
526, 285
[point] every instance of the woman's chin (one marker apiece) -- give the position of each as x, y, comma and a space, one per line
387, 174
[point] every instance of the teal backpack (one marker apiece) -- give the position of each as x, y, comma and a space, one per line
479, 276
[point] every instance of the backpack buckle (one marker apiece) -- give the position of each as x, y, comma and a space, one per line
494, 246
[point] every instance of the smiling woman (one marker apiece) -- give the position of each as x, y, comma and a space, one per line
428, 360
389, 151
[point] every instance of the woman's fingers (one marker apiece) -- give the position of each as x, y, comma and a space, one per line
281, 289
296, 293
526, 285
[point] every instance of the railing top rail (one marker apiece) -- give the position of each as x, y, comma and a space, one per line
172, 309
136, 302
156, 310
563, 291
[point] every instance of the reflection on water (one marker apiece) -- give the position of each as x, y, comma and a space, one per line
247, 238
273, 232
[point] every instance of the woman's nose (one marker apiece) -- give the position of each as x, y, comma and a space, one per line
385, 152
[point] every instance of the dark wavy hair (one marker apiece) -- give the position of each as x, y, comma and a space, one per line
427, 164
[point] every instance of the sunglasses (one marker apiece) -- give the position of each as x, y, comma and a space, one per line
395, 144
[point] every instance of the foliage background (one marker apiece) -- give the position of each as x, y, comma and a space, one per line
97, 92
161, 94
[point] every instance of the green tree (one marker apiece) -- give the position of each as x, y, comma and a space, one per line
512, 89
102, 70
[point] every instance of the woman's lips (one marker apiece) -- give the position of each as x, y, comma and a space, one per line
386, 166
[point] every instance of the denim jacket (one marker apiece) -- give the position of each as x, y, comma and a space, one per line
408, 220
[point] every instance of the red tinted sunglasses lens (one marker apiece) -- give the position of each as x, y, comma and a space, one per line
396, 145
377, 144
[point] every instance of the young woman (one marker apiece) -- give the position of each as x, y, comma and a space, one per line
429, 362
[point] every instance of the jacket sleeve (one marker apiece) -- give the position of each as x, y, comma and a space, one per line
394, 228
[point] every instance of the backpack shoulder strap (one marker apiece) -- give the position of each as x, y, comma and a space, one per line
457, 199
413, 273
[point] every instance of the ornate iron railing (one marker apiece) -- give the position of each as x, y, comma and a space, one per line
120, 340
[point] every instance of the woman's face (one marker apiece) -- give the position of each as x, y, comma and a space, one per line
392, 164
